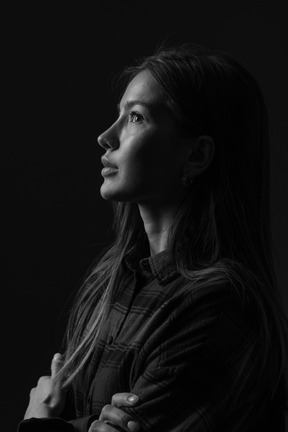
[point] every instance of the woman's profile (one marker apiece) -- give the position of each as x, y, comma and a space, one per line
179, 324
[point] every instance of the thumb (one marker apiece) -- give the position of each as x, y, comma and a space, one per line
56, 364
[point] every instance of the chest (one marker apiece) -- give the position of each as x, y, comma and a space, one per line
121, 353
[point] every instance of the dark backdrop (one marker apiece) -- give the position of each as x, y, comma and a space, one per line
62, 57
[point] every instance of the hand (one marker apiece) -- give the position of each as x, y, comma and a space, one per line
48, 398
113, 418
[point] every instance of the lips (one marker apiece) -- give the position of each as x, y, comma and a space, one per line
107, 163
109, 168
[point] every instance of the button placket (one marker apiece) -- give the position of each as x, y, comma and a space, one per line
128, 306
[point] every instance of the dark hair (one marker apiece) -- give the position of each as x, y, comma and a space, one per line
229, 224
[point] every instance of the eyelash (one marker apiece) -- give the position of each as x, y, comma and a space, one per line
134, 113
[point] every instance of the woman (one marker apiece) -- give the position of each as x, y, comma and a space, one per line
183, 309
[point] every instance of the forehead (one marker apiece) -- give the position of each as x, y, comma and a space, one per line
144, 87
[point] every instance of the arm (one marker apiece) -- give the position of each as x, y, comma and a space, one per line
188, 364
47, 402
112, 419
192, 362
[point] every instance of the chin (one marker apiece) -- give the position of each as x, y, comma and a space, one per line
116, 194
110, 194
106, 194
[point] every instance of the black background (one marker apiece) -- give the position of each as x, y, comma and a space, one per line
62, 57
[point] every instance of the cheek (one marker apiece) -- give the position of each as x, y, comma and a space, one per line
150, 149
137, 155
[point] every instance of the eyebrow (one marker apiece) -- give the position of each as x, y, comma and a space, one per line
133, 102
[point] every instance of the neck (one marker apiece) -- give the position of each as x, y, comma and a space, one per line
157, 222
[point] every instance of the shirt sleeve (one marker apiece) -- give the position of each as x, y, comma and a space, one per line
56, 425
192, 361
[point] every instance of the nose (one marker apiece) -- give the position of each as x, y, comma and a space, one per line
108, 139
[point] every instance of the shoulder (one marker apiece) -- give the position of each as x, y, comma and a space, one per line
222, 286
221, 302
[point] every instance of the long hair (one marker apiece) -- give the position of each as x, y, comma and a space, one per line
222, 228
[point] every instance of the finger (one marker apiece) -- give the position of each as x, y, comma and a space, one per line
100, 426
56, 364
119, 418
43, 379
124, 399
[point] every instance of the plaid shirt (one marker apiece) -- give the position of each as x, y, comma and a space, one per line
176, 345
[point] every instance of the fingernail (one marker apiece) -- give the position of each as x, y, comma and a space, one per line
133, 399
57, 356
133, 426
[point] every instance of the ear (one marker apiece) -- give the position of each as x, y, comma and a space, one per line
200, 155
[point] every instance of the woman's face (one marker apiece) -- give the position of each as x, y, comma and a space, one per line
144, 156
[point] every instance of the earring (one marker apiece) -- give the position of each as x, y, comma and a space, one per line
186, 180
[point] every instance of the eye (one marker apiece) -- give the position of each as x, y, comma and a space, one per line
135, 117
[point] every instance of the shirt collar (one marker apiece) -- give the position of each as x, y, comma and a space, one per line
160, 266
